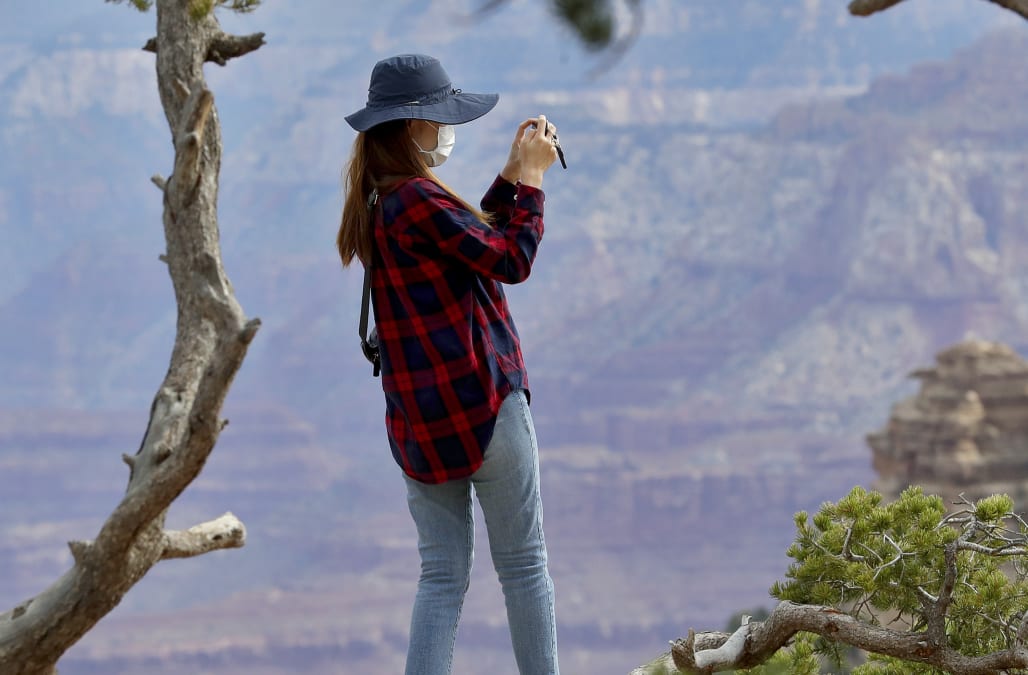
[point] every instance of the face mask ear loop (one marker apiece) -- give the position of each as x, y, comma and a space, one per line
418, 145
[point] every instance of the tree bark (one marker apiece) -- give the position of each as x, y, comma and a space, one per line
754, 643
212, 337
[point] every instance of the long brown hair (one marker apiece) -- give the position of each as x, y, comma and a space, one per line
382, 157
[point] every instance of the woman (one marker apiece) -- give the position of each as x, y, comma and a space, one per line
454, 378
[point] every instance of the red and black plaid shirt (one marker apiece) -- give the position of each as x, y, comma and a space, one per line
450, 351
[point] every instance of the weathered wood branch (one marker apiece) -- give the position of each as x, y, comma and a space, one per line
665, 663
755, 643
1015, 6
220, 533
211, 341
936, 614
223, 532
869, 7
223, 47
189, 143
227, 47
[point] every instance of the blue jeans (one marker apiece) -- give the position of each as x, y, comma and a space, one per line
507, 486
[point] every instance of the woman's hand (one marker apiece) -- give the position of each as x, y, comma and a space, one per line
531, 153
537, 152
512, 169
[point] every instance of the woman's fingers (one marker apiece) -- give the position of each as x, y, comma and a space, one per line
536, 124
538, 152
549, 129
522, 128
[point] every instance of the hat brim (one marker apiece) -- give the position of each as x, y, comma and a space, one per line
456, 109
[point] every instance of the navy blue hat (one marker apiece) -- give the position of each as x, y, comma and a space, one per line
415, 86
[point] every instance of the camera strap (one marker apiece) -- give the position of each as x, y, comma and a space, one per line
362, 327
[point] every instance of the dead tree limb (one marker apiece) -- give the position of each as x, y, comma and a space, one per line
211, 341
223, 47
869, 7
754, 643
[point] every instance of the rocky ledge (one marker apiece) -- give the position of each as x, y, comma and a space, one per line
965, 431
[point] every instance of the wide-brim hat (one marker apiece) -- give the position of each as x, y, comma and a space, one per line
415, 86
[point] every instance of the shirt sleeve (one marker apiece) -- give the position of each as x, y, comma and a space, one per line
499, 200
504, 251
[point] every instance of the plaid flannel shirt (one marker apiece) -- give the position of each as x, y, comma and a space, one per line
450, 350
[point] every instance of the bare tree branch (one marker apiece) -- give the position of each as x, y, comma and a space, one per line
996, 550
1022, 631
226, 47
869, 7
220, 533
753, 643
223, 47
936, 612
211, 341
224, 532
665, 663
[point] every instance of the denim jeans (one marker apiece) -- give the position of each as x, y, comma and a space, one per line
507, 486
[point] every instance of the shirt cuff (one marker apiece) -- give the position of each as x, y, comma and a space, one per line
530, 198
502, 191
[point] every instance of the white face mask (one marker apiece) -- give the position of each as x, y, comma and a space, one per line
445, 138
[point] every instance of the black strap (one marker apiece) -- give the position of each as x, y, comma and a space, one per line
362, 327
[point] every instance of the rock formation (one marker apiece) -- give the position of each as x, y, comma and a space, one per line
966, 430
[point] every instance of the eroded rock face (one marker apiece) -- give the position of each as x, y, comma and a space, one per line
966, 430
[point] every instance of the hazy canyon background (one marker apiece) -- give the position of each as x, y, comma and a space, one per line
772, 213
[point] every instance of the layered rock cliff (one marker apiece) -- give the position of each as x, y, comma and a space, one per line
965, 431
